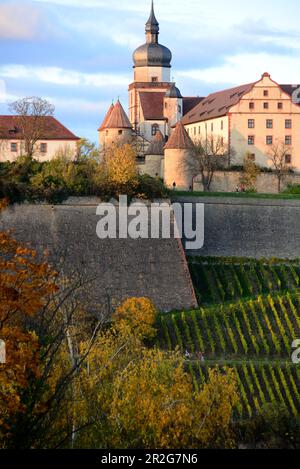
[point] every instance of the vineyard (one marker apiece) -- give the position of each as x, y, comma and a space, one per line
218, 280
248, 318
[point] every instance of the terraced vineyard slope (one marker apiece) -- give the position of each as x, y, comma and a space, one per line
248, 319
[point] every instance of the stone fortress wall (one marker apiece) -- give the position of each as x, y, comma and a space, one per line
114, 269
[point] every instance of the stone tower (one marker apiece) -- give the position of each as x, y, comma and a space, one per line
115, 128
154, 156
179, 159
173, 107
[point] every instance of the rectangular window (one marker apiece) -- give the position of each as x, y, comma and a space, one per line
195, 131
288, 140
288, 159
43, 147
280, 105
199, 130
269, 123
251, 105
288, 123
266, 105
266, 93
269, 140
251, 140
222, 125
212, 127
120, 132
14, 147
251, 123
154, 79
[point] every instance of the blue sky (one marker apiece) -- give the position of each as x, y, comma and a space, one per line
78, 53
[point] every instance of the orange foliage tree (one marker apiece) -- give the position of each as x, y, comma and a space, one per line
25, 285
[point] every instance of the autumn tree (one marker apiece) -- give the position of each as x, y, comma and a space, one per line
25, 285
211, 155
120, 165
42, 322
136, 397
250, 172
30, 117
139, 314
278, 156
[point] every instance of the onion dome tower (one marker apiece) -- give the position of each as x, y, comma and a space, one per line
152, 60
179, 159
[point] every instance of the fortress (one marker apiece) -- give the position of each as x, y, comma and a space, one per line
248, 119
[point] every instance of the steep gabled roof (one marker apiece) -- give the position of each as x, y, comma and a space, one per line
107, 116
216, 104
180, 139
10, 129
118, 118
157, 145
152, 105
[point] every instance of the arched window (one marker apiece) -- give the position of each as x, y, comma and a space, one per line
154, 129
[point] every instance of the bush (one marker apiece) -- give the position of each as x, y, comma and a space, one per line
292, 189
56, 180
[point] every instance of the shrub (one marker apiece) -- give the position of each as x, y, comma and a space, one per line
292, 189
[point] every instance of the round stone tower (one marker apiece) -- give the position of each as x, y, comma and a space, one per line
173, 107
179, 159
154, 156
115, 128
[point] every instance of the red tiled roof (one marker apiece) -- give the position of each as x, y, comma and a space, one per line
157, 145
53, 130
179, 139
216, 104
118, 118
107, 116
152, 105
190, 102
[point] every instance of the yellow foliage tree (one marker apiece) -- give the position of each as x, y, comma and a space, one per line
139, 314
135, 397
120, 165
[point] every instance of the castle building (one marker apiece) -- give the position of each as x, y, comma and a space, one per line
248, 119
251, 119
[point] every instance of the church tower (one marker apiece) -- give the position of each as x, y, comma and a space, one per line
152, 69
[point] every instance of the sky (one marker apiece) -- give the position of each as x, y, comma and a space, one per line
78, 53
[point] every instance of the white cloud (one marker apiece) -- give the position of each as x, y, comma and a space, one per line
245, 68
19, 20
59, 76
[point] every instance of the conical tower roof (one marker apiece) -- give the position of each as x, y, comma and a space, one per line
157, 145
106, 118
180, 139
118, 118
